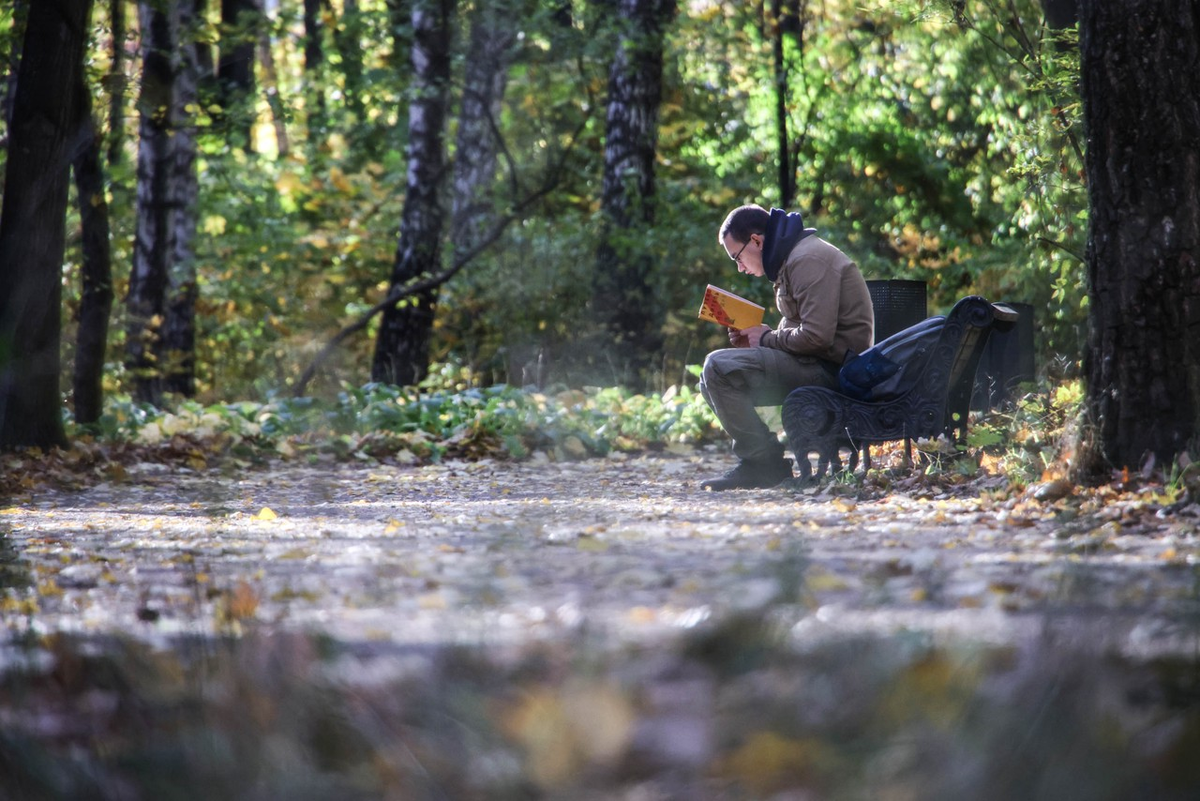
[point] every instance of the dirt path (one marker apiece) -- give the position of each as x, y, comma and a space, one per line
624, 547
626, 637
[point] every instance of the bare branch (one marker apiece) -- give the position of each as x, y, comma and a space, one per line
430, 282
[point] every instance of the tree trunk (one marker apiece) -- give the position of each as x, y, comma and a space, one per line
348, 36
787, 179
271, 85
96, 300
45, 132
115, 83
493, 34
235, 70
1141, 92
314, 80
402, 347
786, 21
158, 349
625, 299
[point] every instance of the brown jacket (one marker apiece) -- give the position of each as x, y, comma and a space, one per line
825, 304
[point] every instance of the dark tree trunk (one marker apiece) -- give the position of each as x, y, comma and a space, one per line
314, 58
402, 347
625, 298
115, 84
206, 67
787, 180
1141, 93
350, 47
786, 22
45, 133
97, 292
161, 284
1061, 13
399, 17
235, 70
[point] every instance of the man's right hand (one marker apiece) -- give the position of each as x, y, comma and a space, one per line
738, 339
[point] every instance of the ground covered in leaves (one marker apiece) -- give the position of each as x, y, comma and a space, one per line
593, 629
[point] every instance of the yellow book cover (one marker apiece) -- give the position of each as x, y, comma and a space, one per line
730, 310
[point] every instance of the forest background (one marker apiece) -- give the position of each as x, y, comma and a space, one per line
931, 141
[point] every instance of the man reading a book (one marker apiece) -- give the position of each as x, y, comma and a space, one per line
827, 314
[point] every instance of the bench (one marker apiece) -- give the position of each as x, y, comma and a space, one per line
928, 395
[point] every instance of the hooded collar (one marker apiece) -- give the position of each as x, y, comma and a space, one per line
784, 231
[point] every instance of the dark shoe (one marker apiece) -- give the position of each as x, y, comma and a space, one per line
752, 475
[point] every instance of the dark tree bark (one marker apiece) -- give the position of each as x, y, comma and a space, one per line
235, 70
45, 133
206, 66
1141, 93
314, 58
625, 298
402, 347
1061, 13
160, 305
348, 36
115, 83
97, 296
786, 21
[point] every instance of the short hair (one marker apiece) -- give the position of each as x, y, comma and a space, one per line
743, 222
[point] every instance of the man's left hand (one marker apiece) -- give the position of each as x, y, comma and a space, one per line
750, 337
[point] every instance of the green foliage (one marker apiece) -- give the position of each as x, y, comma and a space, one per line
445, 416
1027, 440
933, 140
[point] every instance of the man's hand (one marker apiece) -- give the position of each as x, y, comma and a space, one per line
747, 337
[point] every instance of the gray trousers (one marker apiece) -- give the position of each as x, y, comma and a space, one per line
736, 380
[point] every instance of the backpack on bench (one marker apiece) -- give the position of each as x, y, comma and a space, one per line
888, 369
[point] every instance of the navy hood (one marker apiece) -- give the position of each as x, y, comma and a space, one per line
784, 231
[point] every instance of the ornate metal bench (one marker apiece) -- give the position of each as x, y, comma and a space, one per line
930, 400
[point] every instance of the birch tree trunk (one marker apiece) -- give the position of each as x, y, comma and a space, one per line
402, 346
625, 298
492, 37
1141, 92
162, 282
45, 133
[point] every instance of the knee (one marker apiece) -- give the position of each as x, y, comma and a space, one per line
710, 373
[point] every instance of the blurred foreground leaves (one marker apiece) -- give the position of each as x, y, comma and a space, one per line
299, 716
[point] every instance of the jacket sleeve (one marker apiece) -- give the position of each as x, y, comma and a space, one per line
813, 288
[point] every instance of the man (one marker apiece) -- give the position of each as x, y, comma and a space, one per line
826, 312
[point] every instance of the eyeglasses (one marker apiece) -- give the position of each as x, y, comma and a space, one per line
737, 257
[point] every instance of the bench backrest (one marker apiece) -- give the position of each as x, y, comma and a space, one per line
936, 356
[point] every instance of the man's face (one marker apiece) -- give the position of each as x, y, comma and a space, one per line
748, 255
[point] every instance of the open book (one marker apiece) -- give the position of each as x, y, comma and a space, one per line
729, 310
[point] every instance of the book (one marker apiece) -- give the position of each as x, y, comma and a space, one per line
732, 311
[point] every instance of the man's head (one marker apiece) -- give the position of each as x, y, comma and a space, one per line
742, 237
